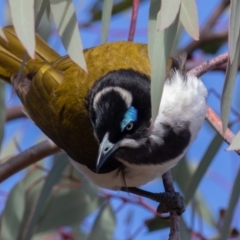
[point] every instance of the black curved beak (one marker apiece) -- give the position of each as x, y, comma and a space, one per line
106, 148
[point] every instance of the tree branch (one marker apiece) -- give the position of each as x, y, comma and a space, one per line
14, 113
26, 158
209, 65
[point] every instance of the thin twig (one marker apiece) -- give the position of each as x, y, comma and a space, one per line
211, 116
208, 39
14, 112
26, 158
133, 20
214, 16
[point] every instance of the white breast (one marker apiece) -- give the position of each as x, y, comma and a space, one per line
135, 175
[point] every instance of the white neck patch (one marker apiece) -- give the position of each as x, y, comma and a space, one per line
125, 95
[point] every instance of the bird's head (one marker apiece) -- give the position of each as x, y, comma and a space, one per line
120, 111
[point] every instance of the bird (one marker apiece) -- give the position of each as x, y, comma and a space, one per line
102, 118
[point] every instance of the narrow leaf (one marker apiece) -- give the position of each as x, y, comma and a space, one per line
189, 18
69, 201
53, 177
224, 232
65, 19
234, 27
183, 180
152, 25
12, 215
230, 78
2, 111
161, 48
106, 17
235, 145
202, 167
22, 12
168, 13
104, 224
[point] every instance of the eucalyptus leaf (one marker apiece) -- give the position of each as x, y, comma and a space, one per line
22, 12
235, 144
168, 13
183, 180
224, 232
53, 177
156, 223
202, 167
234, 28
229, 82
189, 18
161, 49
65, 19
106, 18
68, 205
12, 215
104, 225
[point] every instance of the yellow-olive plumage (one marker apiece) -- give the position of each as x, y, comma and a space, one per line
55, 96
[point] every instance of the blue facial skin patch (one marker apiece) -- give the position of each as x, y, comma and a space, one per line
129, 116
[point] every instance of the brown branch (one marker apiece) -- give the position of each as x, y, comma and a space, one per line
206, 33
133, 20
206, 39
209, 65
211, 116
214, 16
14, 112
26, 158
216, 123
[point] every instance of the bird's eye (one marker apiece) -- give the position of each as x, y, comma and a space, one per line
129, 126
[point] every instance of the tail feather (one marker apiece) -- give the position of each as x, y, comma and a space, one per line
12, 54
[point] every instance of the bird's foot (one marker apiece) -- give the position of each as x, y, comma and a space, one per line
169, 201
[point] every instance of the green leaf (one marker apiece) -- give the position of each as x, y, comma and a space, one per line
159, 47
106, 17
182, 181
117, 8
189, 18
235, 145
68, 205
65, 19
234, 27
12, 215
104, 224
156, 223
202, 167
168, 13
152, 26
184, 231
22, 12
227, 94
224, 232
2, 111
53, 177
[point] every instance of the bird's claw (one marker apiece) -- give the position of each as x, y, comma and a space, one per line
171, 201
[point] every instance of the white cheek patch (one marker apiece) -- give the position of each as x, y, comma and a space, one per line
125, 95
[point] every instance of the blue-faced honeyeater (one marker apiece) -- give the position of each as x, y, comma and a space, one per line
102, 119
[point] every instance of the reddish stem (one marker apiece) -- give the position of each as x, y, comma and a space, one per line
133, 20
